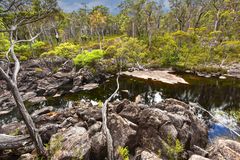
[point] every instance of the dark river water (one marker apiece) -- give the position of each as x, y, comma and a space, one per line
221, 97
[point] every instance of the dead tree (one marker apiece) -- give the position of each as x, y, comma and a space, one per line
16, 14
105, 128
12, 83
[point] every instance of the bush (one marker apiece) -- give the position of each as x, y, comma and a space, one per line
66, 50
23, 50
123, 152
127, 50
88, 58
39, 47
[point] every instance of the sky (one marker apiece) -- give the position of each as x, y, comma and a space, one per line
73, 5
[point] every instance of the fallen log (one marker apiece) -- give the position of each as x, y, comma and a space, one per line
14, 142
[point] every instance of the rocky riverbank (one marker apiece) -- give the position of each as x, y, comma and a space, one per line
167, 130
39, 79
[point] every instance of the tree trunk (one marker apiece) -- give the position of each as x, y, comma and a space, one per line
216, 23
28, 120
133, 29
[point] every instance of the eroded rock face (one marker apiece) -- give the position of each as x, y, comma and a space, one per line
122, 132
167, 122
224, 149
74, 143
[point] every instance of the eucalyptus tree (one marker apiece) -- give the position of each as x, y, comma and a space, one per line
98, 21
15, 14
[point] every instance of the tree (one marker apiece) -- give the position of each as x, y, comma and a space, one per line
98, 22
14, 15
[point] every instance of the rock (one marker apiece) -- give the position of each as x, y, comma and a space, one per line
224, 149
90, 112
95, 128
98, 146
27, 156
42, 111
36, 100
75, 89
130, 112
222, 77
162, 124
3, 112
121, 130
94, 103
74, 143
139, 99
77, 81
157, 75
90, 86
146, 155
197, 157
13, 128
200, 151
29, 95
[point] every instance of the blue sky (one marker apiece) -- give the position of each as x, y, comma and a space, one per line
71, 5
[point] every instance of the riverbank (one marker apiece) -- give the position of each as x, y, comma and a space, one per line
169, 129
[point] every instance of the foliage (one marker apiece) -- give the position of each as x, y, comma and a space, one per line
174, 148
127, 50
236, 115
123, 152
88, 58
66, 50
39, 47
56, 144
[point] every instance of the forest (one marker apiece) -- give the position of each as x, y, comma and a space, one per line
157, 79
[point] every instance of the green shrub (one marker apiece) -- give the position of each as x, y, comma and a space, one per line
66, 50
123, 152
127, 50
23, 50
88, 58
174, 148
23, 58
39, 47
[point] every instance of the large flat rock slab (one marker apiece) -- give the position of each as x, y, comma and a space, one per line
157, 75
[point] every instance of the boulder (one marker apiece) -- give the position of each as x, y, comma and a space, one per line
98, 146
146, 155
161, 125
73, 143
122, 130
197, 157
224, 149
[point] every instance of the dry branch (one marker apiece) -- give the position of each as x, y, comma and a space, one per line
106, 131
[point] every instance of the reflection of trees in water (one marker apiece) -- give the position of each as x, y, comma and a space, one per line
207, 92
209, 95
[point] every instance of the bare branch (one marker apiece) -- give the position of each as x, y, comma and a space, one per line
28, 40
106, 131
